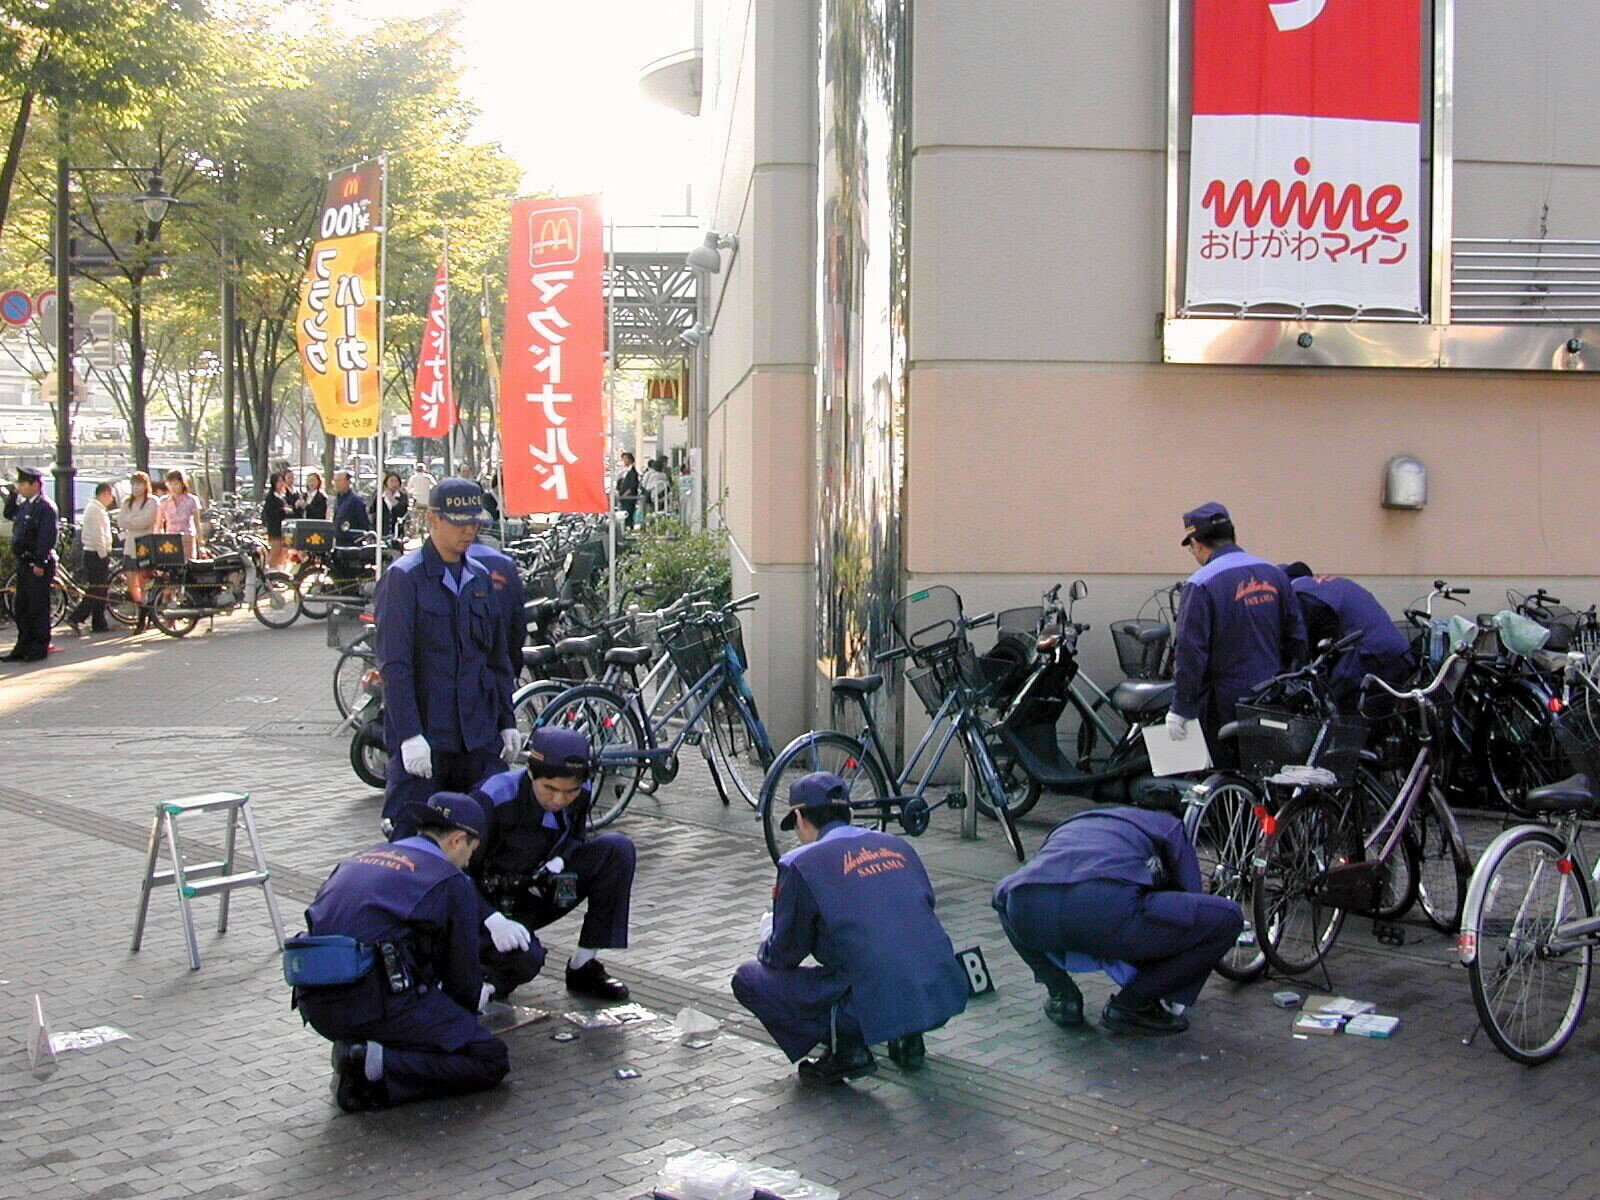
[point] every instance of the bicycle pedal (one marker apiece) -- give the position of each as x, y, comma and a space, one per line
956, 801
693, 737
1388, 933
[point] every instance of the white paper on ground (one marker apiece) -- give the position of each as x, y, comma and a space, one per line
1168, 757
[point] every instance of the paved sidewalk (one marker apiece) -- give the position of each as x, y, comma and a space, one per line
219, 1092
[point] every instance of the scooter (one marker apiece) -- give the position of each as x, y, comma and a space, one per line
182, 593
369, 757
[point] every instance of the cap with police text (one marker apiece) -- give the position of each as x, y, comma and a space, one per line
559, 748
1200, 522
458, 501
449, 810
816, 790
29, 475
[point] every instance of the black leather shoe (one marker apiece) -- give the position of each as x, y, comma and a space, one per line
836, 1066
1150, 1019
909, 1052
352, 1092
1065, 1007
591, 980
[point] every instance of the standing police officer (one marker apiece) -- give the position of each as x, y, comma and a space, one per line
536, 866
1237, 626
407, 1029
33, 545
1120, 885
861, 904
447, 720
350, 516
1333, 607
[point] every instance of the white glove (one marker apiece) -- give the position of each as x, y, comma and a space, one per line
483, 996
417, 757
764, 929
556, 865
506, 934
1177, 727
510, 745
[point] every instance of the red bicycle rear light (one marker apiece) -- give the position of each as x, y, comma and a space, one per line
1556, 704
1268, 822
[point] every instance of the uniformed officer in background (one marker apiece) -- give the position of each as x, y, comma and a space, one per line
441, 647
407, 1029
537, 864
33, 545
505, 588
1120, 885
861, 904
1332, 607
1237, 626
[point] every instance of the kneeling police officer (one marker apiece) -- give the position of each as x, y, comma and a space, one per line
536, 865
406, 1027
860, 902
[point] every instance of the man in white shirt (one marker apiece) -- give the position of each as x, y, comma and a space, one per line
420, 486
95, 537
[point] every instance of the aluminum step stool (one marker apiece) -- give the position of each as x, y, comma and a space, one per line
202, 879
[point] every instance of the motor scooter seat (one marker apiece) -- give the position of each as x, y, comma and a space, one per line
862, 685
1141, 697
1572, 794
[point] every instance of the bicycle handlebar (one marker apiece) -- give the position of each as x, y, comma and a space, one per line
1414, 695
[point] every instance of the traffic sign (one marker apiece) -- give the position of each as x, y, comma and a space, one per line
101, 348
44, 307
16, 308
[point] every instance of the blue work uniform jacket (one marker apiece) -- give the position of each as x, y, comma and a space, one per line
1237, 626
521, 837
34, 529
1137, 846
441, 650
505, 585
1334, 607
861, 904
408, 892
350, 519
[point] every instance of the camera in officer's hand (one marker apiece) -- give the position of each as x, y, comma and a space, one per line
558, 887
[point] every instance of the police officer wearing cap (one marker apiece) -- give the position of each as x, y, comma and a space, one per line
537, 864
441, 646
1237, 626
1334, 606
861, 904
1120, 886
33, 545
407, 1028
505, 588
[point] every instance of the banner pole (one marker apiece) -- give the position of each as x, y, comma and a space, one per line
611, 403
383, 296
493, 374
449, 359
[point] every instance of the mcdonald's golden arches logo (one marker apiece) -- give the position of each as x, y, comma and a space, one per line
555, 237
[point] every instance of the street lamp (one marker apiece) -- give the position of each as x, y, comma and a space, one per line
155, 200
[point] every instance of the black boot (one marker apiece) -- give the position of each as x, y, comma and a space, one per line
1065, 1006
909, 1052
592, 980
352, 1090
1147, 1018
849, 1060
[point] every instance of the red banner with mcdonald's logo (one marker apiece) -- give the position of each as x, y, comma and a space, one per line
552, 419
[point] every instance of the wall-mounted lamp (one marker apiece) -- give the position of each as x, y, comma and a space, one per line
695, 334
1574, 345
708, 257
1405, 483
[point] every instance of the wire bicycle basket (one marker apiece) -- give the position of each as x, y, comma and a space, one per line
1273, 738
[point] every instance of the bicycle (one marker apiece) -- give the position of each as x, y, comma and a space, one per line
933, 633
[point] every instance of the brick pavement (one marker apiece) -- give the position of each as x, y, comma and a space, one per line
222, 1094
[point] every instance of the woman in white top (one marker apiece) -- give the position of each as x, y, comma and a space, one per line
137, 517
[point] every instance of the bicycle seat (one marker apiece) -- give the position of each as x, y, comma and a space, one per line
1140, 697
538, 656
628, 656
541, 610
863, 685
1572, 794
576, 647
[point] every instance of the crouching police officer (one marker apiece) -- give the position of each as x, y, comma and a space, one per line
1332, 607
1119, 885
536, 866
859, 902
405, 1028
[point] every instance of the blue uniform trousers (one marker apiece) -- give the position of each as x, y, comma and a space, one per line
796, 1004
604, 867
1173, 938
453, 771
431, 1045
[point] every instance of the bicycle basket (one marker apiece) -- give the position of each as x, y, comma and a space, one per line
693, 647
1271, 738
944, 674
1578, 733
1139, 660
929, 619
733, 635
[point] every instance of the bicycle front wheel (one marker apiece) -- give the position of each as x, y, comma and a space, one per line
739, 754
988, 782
1528, 987
1224, 832
822, 750
347, 673
618, 743
1399, 891
1295, 926
275, 603
314, 584
119, 599
1442, 874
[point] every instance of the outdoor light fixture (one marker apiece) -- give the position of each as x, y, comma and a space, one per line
695, 334
708, 257
155, 200
1405, 483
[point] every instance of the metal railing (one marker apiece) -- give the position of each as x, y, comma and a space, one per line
1525, 281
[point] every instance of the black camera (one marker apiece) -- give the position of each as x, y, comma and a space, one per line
561, 889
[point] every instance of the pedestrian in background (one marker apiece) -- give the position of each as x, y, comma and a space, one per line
628, 488
95, 540
350, 519
34, 530
420, 487
136, 518
275, 509
180, 513
394, 502
313, 502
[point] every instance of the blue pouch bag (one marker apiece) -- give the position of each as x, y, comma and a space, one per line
325, 960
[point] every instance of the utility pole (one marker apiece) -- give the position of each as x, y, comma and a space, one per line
64, 470
230, 478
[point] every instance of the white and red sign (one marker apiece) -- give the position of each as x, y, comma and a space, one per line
433, 402
552, 430
1305, 178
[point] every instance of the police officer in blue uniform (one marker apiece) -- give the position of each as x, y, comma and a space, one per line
537, 864
407, 1029
1237, 626
1334, 606
33, 545
861, 904
1120, 885
447, 719
350, 516
505, 587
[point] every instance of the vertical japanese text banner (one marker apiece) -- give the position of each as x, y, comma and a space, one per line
337, 325
552, 419
433, 402
1304, 176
